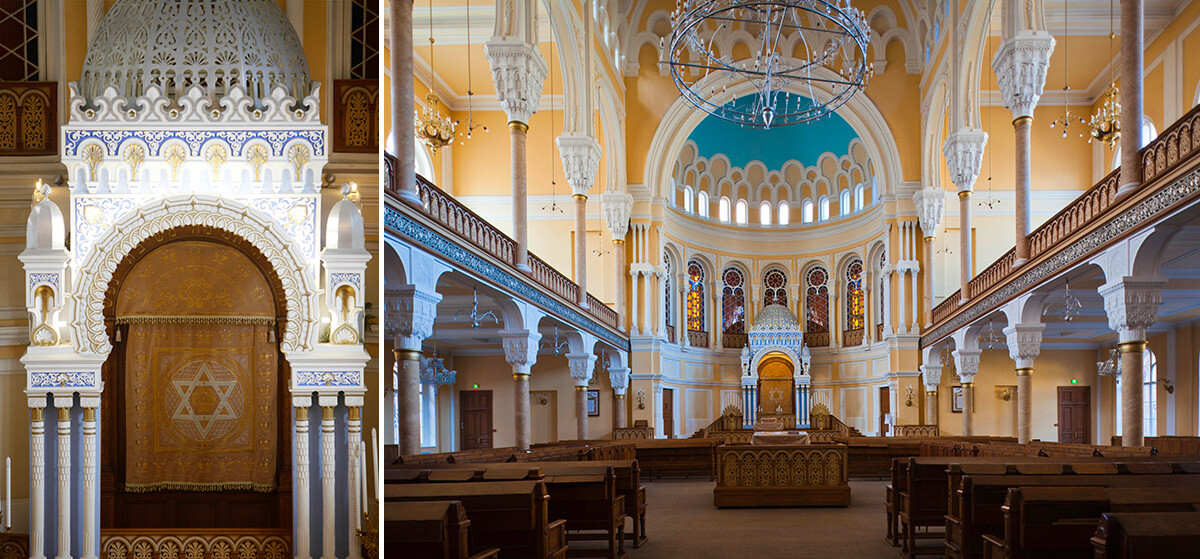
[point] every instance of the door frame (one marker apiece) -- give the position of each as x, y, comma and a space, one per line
1086, 403
462, 417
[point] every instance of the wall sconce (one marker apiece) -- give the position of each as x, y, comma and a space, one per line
641, 398
541, 397
1006, 393
909, 394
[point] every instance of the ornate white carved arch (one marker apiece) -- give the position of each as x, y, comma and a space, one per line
87, 323
758, 355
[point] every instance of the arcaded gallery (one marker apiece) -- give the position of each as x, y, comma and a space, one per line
659, 279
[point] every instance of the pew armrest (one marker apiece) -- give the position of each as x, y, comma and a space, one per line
556, 535
993, 547
493, 553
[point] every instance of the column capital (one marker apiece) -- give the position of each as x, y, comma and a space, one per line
409, 314
1020, 67
1132, 305
618, 378
518, 70
931, 204
963, 151
581, 366
617, 207
931, 376
966, 362
520, 349
1024, 343
581, 160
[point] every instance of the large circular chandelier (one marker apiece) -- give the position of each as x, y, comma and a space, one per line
814, 48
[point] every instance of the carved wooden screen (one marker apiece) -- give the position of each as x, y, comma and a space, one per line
775, 288
817, 303
733, 303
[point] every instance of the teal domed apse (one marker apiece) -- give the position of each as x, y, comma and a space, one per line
773, 146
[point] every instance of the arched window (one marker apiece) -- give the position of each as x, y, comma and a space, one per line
688, 200
785, 213
702, 203
844, 203
740, 212
723, 210
733, 302
695, 301
764, 213
1149, 133
859, 197
667, 296
824, 209
881, 291
1149, 394
806, 212
855, 298
816, 315
775, 288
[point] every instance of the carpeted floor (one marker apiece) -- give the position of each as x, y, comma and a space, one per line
683, 523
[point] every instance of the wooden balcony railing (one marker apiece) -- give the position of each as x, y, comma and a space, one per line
697, 338
816, 339
735, 340
28, 118
477, 231
1098, 207
356, 116
851, 338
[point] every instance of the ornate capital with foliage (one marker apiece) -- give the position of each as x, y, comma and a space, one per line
1024, 343
930, 204
410, 315
966, 362
518, 70
964, 156
618, 378
581, 161
520, 349
1132, 306
1020, 67
581, 366
617, 207
931, 376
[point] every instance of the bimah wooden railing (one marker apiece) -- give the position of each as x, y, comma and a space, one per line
782, 476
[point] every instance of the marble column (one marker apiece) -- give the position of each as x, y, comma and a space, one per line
91, 513
1022, 126
581, 162
64, 480
403, 99
1024, 344
37, 483
581, 247
411, 311
328, 482
619, 285
1131, 97
518, 133
966, 362
963, 151
303, 538
354, 508
618, 378
928, 254
580, 366
520, 351
1132, 306
409, 409
931, 377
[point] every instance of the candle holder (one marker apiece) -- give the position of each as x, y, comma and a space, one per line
368, 535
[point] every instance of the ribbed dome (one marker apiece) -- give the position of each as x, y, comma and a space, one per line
212, 43
775, 318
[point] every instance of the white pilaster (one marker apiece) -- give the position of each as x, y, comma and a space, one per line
37, 482
328, 480
91, 513
303, 483
354, 508
635, 311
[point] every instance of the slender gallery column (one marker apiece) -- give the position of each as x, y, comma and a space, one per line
581, 161
1132, 306
518, 71
930, 204
1132, 60
328, 483
354, 508
619, 285
64, 481
963, 151
91, 519
409, 410
635, 312
581, 247
303, 539
618, 379
37, 483
1024, 344
1020, 65
410, 314
581, 367
520, 351
524, 429
403, 101
967, 363
931, 377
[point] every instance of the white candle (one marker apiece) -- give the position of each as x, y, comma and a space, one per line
375, 458
8, 492
362, 471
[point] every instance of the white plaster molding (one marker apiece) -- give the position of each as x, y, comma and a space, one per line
1020, 67
931, 205
963, 151
1024, 343
1132, 306
618, 378
616, 207
581, 161
518, 70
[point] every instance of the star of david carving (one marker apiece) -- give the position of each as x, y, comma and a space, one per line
186, 412
776, 395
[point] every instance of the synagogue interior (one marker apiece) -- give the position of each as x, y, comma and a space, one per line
791, 278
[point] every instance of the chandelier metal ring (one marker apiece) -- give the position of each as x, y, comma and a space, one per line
834, 36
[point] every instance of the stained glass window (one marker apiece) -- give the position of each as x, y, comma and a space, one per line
695, 297
817, 315
775, 288
854, 295
733, 303
19, 40
667, 288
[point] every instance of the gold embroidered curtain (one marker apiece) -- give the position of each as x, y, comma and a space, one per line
200, 372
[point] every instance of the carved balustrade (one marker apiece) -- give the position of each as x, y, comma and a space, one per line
816, 339
852, 338
697, 338
28, 118
735, 340
200, 543
914, 430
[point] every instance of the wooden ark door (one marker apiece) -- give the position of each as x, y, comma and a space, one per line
885, 407
476, 426
197, 417
668, 405
1074, 414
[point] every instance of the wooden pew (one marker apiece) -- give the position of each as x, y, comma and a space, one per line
513, 516
977, 510
585, 496
429, 530
677, 457
627, 480
1060, 521
1147, 535
459, 473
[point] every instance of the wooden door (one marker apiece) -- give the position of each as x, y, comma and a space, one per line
1074, 414
476, 413
885, 407
668, 404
